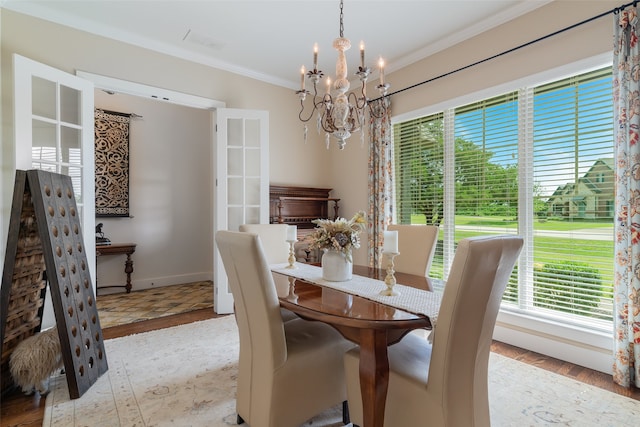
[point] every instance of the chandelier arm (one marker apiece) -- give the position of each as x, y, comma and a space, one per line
327, 122
354, 117
325, 102
359, 103
313, 110
317, 105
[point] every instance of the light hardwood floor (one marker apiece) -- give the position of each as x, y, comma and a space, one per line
23, 411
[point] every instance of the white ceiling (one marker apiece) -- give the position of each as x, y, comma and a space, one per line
270, 40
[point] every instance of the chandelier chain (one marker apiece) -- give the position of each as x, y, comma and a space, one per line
341, 16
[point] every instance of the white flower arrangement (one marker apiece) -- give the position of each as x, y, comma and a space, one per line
340, 234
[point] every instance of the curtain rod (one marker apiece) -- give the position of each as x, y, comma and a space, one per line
513, 49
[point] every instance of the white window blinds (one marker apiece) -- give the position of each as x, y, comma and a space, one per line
573, 195
547, 150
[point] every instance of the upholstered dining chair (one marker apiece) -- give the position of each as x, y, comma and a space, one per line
276, 249
274, 240
288, 371
417, 245
445, 384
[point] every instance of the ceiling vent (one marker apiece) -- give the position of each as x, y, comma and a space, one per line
202, 40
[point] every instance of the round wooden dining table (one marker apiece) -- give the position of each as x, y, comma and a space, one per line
372, 325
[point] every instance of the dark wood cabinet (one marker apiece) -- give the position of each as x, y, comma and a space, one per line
299, 206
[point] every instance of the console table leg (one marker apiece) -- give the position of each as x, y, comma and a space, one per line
128, 268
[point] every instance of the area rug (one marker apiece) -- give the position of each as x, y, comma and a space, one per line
186, 376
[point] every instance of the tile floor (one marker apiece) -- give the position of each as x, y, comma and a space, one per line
122, 308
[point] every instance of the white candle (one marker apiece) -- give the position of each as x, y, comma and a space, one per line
362, 55
328, 86
390, 242
292, 233
302, 78
315, 56
381, 65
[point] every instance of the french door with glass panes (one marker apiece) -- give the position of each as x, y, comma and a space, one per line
54, 131
241, 173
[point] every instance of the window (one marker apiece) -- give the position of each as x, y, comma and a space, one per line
537, 162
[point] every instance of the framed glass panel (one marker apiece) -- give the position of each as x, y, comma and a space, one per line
252, 187
252, 136
43, 98
235, 191
235, 164
235, 133
235, 218
70, 105
252, 157
44, 141
70, 145
252, 215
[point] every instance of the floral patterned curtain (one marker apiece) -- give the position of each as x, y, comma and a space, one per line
380, 178
626, 100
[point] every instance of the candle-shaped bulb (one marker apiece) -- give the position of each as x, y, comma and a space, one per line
390, 242
292, 233
315, 56
328, 86
302, 78
381, 65
362, 54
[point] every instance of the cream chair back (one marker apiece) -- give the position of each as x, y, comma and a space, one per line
276, 248
287, 371
445, 384
417, 246
257, 310
462, 340
274, 240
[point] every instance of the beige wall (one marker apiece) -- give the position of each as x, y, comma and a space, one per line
293, 162
171, 192
349, 168
70, 50
345, 171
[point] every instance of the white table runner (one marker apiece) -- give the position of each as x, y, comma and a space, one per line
413, 300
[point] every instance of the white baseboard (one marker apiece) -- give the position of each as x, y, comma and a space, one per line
156, 282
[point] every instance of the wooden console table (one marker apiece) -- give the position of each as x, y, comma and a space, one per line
119, 249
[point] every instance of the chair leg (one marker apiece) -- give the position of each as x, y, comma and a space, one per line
239, 420
345, 413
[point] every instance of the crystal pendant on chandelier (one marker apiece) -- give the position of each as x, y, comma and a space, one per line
342, 114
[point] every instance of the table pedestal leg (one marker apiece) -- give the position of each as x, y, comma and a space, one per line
374, 376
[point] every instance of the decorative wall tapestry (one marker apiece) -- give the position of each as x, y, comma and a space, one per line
112, 163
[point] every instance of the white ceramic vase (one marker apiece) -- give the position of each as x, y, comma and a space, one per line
335, 266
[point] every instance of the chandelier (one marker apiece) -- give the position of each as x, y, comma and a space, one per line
342, 113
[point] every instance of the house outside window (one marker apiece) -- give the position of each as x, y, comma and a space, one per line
536, 162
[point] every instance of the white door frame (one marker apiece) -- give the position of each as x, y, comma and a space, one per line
160, 95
